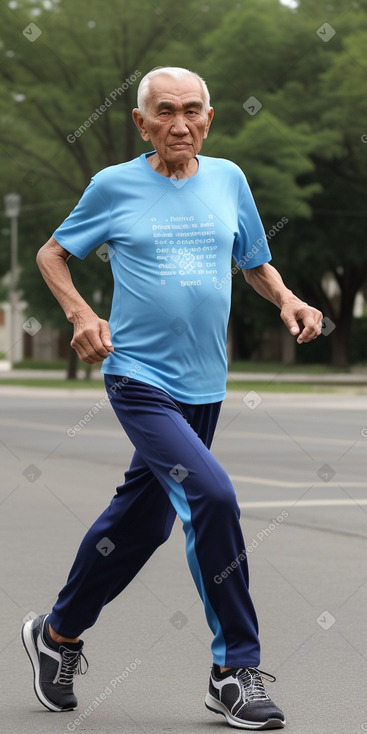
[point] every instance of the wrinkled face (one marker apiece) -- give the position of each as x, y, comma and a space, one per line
175, 119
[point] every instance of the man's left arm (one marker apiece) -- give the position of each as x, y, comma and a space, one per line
302, 320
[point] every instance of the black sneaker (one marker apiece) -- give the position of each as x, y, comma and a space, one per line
240, 695
53, 667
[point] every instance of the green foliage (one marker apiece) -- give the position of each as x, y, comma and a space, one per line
313, 89
257, 149
39, 364
302, 152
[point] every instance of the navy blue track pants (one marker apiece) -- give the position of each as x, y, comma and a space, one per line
172, 472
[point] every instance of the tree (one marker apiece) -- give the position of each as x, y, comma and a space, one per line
68, 84
331, 242
67, 96
308, 84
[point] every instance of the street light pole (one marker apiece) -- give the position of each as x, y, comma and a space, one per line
12, 209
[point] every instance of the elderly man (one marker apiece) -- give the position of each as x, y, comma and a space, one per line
172, 220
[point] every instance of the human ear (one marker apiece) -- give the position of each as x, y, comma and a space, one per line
139, 122
210, 116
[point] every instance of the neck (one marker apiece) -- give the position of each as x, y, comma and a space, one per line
178, 169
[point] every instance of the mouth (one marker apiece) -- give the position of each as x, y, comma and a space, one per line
180, 146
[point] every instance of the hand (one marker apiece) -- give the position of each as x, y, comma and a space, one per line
92, 337
301, 319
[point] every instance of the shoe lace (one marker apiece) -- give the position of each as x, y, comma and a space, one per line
252, 683
70, 665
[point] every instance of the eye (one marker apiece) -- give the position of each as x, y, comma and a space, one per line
191, 112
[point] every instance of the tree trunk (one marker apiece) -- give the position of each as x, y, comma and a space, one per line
350, 282
88, 372
341, 316
340, 340
288, 347
72, 365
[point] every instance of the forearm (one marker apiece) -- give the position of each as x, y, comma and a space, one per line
268, 283
55, 271
302, 320
92, 337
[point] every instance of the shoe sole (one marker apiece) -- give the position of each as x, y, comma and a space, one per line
28, 642
219, 708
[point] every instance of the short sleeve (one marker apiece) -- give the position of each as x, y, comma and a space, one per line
250, 247
87, 226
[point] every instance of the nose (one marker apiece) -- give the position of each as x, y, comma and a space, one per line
179, 125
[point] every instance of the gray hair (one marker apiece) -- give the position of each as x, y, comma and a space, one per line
176, 72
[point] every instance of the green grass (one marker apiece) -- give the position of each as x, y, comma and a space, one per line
54, 364
49, 382
260, 387
264, 387
309, 369
40, 364
238, 366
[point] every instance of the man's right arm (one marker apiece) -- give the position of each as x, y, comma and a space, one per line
92, 337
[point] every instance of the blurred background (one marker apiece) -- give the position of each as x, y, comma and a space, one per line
287, 82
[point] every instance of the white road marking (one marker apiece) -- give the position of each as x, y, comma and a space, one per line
264, 481
119, 433
302, 503
319, 440
52, 428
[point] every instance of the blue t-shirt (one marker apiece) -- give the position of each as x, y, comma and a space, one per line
170, 244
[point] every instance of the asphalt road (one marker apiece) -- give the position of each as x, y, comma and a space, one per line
299, 467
